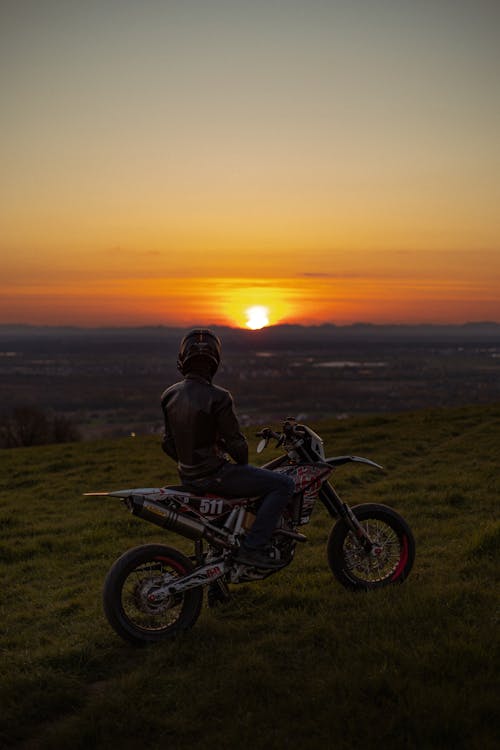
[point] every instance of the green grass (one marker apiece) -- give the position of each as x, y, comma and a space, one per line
294, 661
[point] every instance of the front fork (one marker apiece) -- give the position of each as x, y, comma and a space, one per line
338, 509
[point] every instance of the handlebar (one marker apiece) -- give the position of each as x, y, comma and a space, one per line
267, 433
290, 429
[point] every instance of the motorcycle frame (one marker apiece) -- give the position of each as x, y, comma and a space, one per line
335, 506
209, 571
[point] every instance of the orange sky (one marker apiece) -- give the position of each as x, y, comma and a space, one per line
179, 163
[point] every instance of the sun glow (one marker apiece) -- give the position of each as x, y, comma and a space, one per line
245, 303
257, 317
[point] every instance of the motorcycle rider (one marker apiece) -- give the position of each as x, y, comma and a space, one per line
201, 429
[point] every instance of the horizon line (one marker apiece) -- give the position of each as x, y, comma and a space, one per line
357, 324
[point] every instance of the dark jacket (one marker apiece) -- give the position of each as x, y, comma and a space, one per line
200, 425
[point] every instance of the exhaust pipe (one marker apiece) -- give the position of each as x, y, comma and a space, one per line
151, 510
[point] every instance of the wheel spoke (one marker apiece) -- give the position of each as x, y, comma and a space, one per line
138, 609
382, 561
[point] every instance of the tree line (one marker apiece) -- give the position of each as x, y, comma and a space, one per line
30, 425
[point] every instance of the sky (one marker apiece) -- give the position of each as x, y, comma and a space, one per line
178, 161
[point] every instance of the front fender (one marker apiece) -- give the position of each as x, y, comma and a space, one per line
339, 460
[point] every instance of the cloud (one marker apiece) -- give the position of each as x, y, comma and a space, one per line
318, 275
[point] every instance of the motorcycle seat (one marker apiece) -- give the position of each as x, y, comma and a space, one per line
180, 488
198, 493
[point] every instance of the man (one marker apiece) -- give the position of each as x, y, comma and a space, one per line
201, 428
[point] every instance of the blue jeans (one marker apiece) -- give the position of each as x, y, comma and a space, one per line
243, 480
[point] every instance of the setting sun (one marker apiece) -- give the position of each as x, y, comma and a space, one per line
257, 317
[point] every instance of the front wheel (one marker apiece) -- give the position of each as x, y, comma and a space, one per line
390, 559
132, 578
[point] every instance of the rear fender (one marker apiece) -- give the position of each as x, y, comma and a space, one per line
152, 493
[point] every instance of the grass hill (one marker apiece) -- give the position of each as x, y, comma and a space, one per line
294, 661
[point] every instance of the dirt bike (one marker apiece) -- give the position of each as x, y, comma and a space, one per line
153, 591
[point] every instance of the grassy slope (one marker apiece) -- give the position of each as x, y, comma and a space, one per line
293, 661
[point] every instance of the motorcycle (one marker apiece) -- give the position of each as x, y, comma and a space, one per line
153, 591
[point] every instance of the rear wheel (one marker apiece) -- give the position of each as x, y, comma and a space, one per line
132, 578
389, 561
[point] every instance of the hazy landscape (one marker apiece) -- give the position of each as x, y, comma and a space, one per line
109, 381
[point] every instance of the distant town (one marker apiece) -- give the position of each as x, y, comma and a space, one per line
109, 381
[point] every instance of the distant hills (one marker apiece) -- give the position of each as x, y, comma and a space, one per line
271, 336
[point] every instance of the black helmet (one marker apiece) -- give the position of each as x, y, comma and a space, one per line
199, 343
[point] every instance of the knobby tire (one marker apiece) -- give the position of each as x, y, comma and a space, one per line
126, 606
360, 571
